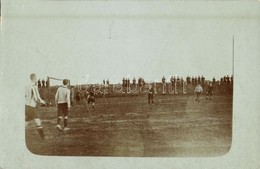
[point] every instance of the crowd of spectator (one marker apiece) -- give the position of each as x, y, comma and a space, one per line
106, 82
179, 84
180, 80
43, 83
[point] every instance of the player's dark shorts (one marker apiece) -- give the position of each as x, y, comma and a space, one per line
30, 113
62, 109
91, 99
209, 93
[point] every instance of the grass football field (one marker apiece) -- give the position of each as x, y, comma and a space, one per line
175, 126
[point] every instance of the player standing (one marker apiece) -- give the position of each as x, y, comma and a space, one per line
150, 94
91, 97
209, 91
32, 96
62, 100
198, 90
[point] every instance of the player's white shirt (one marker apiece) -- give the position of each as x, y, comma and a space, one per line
63, 95
198, 89
32, 95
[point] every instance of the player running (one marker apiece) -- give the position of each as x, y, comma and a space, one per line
198, 90
91, 97
62, 100
209, 92
32, 96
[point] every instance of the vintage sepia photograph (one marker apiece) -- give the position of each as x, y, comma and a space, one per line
129, 84
131, 87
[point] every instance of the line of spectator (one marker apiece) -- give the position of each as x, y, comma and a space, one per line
179, 80
126, 82
43, 83
106, 82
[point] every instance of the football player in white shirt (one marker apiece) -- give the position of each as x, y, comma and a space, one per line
198, 90
32, 96
62, 100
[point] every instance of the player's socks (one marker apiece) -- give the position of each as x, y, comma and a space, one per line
40, 131
58, 123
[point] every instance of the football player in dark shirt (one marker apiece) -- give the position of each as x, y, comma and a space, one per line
209, 92
150, 94
91, 97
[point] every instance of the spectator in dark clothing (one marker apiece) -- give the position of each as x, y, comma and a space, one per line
139, 81
225, 79
221, 81
142, 82
196, 80
178, 80
134, 81
193, 80
214, 81
43, 83
78, 97
202, 80
123, 82
188, 79
107, 81
163, 79
39, 83
199, 80
172, 81
228, 79
128, 82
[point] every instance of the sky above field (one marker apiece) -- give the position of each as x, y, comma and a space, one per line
151, 45
113, 49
